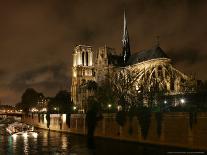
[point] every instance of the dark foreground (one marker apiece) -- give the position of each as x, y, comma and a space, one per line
55, 143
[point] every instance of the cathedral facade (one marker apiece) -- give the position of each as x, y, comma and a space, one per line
145, 69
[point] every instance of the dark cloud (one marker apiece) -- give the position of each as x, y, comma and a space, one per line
188, 56
2, 73
45, 79
39, 33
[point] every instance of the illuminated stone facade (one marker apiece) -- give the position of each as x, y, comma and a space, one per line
106, 63
150, 68
82, 71
146, 69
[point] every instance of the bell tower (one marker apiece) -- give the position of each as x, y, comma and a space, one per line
82, 71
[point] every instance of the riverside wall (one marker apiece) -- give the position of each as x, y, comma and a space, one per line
175, 128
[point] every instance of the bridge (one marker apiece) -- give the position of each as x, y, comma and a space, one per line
11, 114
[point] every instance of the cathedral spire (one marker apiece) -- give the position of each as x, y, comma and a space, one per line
126, 46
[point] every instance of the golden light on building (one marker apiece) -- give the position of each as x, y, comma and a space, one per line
146, 69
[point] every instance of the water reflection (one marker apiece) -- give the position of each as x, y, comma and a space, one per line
53, 143
64, 143
45, 143
14, 138
26, 147
10, 148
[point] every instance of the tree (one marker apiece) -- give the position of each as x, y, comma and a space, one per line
123, 86
105, 95
62, 102
29, 99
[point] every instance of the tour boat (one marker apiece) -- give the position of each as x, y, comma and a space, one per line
17, 128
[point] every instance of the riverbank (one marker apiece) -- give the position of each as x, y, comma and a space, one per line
176, 131
49, 142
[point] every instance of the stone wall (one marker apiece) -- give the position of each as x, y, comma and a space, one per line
175, 128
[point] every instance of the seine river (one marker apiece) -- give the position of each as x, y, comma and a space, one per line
55, 143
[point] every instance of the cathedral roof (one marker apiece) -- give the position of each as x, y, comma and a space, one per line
144, 55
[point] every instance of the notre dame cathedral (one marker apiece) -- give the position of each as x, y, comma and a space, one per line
147, 67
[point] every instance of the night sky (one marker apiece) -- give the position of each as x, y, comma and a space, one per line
37, 37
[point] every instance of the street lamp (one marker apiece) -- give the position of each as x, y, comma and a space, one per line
109, 106
74, 108
182, 100
165, 102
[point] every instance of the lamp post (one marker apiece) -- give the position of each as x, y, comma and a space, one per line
74, 108
109, 106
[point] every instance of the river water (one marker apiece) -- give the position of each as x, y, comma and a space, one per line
55, 143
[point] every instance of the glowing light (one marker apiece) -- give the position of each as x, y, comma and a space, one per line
74, 108
109, 105
44, 109
182, 100
25, 135
64, 118
45, 120
165, 102
119, 107
34, 110
55, 108
34, 135
14, 136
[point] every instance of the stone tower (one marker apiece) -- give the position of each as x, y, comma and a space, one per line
82, 71
105, 61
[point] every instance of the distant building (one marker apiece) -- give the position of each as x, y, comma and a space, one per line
148, 67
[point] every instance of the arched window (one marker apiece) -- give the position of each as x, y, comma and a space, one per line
83, 58
86, 58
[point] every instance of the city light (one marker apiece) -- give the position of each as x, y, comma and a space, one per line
64, 118
182, 100
25, 135
34, 110
119, 107
14, 136
74, 108
34, 135
44, 110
